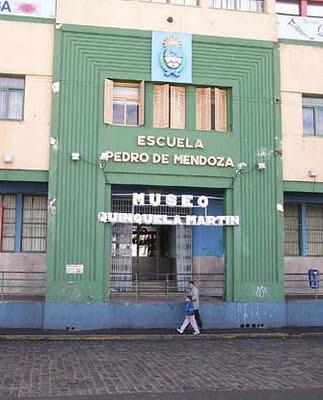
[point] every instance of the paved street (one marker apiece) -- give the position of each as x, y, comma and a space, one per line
164, 370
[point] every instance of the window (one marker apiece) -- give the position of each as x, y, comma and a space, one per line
314, 228
303, 8
211, 109
240, 5
313, 116
292, 229
303, 229
11, 98
177, 2
8, 223
124, 103
24, 223
169, 106
315, 10
288, 7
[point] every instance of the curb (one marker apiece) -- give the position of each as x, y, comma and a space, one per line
150, 337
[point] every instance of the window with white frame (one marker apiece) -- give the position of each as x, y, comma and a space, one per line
24, 223
169, 106
176, 2
313, 116
211, 109
315, 10
12, 92
303, 229
238, 5
288, 7
302, 8
124, 103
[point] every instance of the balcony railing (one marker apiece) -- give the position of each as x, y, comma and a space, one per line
193, 3
164, 286
297, 287
31, 286
238, 5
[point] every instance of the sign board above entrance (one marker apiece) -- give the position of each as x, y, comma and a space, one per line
28, 8
169, 201
162, 219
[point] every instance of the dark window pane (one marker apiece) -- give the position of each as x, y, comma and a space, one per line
132, 114
118, 113
319, 121
308, 121
292, 230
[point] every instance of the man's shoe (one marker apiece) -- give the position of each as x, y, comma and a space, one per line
179, 331
196, 333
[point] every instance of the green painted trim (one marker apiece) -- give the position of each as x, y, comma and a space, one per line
23, 175
234, 41
280, 267
165, 180
107, 261
307, 187
228, 241
17, 18
52, 186
301, 42
99, 30
146, 34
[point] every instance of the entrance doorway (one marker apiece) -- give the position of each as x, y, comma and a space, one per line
148, 252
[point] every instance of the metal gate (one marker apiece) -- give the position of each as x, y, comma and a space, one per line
121, 249
183, 256
121, 244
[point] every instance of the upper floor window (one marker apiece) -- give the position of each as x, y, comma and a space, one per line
124, 103
303, 8
288, 7
315, 9
24, 223
240, 5
211, 109
169, 106
11, 98
313, 116
177, 2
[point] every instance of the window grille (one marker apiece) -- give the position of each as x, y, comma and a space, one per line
34, 224
8, 223
314, 222
24, 227
292, 229
176, 2
238, 5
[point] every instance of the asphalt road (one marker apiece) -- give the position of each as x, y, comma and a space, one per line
275, 369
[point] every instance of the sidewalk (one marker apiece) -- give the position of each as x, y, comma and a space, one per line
157, 334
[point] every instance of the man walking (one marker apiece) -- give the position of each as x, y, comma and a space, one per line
194, 292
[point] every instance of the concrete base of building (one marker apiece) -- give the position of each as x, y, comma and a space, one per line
78, 317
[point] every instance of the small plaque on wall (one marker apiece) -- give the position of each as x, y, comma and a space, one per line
74, 268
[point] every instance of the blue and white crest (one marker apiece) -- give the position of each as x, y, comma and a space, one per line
172, 57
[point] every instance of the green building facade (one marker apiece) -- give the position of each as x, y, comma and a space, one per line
79, 245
